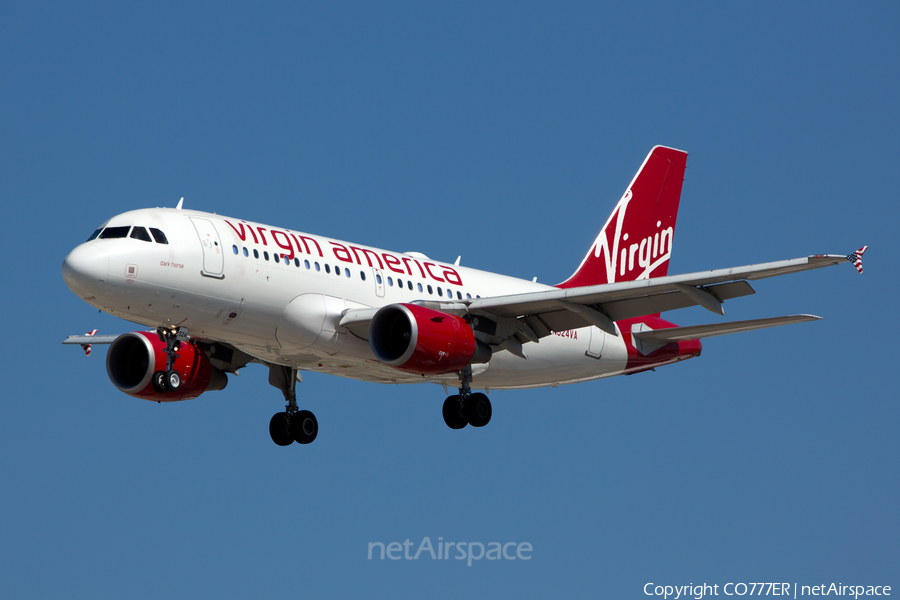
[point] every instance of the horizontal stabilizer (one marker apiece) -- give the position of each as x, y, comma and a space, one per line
695, 332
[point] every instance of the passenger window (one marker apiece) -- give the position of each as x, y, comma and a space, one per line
139, 233
362, 275
266, 254
440, 292
317, 267
255, 253
275, 256
458, 295
429, 290
159, 236
391, 281
245, 251
468, 296
306, 264
111, 233
378, 278
347, 272
297, 262
235, 249
337, 270
400, 283
409, 285
327, 268
95, 234
420, 287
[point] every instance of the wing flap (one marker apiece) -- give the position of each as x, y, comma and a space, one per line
657, 303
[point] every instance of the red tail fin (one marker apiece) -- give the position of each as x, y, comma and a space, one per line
636, 241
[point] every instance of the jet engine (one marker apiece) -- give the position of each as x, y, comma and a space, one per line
133, 358
424, 341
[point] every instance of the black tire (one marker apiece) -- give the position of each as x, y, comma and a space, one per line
452, 415
478, 410
158, 381
278, 429
304, 427
173, 380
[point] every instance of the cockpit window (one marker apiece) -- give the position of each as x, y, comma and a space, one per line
114, 232
95, 234
159, 236
139, 233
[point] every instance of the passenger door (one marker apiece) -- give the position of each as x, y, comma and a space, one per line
213, 257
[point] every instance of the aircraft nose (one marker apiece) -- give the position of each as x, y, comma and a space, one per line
86, 269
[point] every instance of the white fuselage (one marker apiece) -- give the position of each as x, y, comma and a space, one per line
219, 277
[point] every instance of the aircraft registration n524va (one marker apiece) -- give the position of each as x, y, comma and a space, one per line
219, 293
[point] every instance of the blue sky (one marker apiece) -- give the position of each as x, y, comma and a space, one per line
503, 133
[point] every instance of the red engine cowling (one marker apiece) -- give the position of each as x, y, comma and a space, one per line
134, 357
424, 341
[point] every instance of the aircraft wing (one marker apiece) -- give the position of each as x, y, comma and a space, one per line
81, 340
515, 319
563, 309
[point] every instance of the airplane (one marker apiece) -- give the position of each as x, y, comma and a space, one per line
220, 293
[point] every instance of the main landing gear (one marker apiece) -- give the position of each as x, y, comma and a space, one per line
170, 379
467, 408
292, 425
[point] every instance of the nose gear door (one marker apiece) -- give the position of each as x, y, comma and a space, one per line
213, 257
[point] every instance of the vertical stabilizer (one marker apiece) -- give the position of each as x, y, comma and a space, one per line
636, 241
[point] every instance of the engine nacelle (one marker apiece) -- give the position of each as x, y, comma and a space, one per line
134, 357
424, 341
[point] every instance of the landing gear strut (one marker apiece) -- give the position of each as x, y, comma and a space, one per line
292, 425
170, 379
467, 408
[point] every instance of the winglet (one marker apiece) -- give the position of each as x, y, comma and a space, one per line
87, 347
856, 258
180, 202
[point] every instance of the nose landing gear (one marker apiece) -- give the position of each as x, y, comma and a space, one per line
170, 379
467, 408
292, 425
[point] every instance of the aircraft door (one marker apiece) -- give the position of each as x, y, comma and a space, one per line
379, 282
598, 339
213, 257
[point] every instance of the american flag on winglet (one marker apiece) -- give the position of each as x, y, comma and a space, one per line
856, 258
87, 347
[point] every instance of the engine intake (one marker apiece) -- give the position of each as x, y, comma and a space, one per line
134, 357
424, 341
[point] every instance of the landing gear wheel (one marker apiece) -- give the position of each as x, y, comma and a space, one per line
173, 380
478, 410
158, 381
278, 429
453, 417
304, 427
